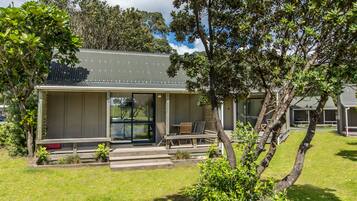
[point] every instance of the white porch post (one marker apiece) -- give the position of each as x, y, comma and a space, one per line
323, 117
108, 115
222, 114
346, 115
167, 114
40, 115
234, 113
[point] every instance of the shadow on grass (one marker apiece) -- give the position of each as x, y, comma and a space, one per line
31, 170
352, 143
309, 192
175, 197
348, 154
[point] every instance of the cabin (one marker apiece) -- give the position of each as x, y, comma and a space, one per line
127, 100
301, 109
347, 111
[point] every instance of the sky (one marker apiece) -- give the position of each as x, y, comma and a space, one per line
163, 6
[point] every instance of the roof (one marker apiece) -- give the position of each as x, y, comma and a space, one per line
311, 103
99, 68
348, 96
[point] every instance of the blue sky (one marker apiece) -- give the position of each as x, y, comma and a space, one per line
163, 6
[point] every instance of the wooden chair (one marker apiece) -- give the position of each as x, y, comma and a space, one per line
185, 129
199, 128
161, 128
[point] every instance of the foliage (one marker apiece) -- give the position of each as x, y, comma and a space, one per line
72, 159
12, 138
61, 161
212, 72
182, 155
103, 26
213, 151
247, 138
31, 36
281, 47
102, 152
218, 181
42, 155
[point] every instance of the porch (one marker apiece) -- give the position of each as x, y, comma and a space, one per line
76, 122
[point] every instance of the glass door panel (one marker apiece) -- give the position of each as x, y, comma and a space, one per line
120, 117
132, 117
143, 117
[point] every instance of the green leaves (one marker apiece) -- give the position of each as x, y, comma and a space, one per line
103, 26
28, 37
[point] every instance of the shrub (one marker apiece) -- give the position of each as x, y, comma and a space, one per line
72, 159
218, 181
42, 156
61, 161
213, 151
182, 155
102, 152
13, 139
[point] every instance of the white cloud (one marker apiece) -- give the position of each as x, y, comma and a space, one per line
163, 6
181, 49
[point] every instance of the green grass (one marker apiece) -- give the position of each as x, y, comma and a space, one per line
330, 173
330, 169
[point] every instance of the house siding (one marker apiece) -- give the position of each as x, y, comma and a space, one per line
76, 115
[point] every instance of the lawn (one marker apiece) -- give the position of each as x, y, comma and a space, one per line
330, 173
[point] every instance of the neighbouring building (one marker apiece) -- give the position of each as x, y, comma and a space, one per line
347, 111
302, 108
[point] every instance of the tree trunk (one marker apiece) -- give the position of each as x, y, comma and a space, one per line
27, 130
276, 119
272, 149
259, 122
263, 111
30, 147
291, 178
225, 139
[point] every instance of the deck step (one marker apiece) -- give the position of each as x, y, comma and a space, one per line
125, 158
142, 165
136, 151
139, 157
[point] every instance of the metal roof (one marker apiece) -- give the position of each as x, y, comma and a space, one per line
348, 96
98, 68
311, 103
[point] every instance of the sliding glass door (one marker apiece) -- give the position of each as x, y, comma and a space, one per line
132, 117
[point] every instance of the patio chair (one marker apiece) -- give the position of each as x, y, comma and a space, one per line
199, 128
185, 129
161, 128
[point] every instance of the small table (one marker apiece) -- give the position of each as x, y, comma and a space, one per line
176, 128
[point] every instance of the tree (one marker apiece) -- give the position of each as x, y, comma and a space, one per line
284, 48
297, 49
110, 27
211, 72
30, 37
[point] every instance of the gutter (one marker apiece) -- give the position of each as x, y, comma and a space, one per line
111, 89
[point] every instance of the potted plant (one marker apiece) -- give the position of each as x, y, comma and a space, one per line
42, 156
102, 153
